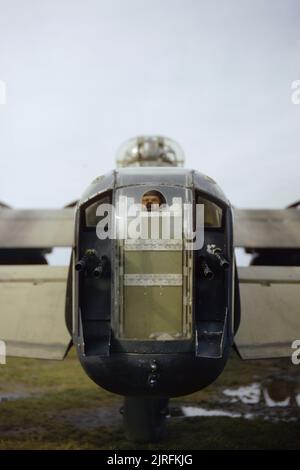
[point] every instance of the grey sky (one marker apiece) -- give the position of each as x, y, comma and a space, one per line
83, 76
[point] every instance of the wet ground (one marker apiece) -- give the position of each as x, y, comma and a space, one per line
275, 399
48, 404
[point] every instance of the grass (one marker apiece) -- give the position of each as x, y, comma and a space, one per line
59, 405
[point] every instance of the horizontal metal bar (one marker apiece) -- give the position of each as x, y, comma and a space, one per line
153, 280
153, 245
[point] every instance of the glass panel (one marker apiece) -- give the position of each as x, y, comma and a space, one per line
91, 217
212, 213
150, 151
153, 275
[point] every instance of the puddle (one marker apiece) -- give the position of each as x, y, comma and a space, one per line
272, 393
249, 395
13, 396
192, 411
275, 399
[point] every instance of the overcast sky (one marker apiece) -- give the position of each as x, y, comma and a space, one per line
83, 76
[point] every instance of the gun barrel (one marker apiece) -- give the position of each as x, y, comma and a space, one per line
101, 268
80, 265
98, 271
224, 263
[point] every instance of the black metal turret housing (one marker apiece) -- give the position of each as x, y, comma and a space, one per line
152, 317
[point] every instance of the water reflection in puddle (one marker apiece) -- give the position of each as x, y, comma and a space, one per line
192, 411
271, 393
273, 399
249, 395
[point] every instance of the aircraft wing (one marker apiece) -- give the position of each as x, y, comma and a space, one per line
267, 228
270, 295
33, 298
32, 319
41, 228
270, 311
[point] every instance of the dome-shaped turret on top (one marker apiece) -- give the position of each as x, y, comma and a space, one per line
150, 151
